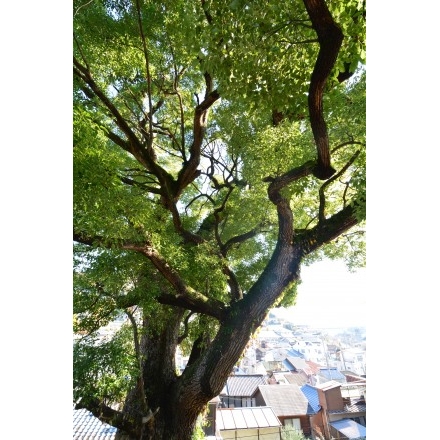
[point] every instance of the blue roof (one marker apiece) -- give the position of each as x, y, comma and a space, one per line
287, 364
294, 353
350, 428
311, 394
332, 374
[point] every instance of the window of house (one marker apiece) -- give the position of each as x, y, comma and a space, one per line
247, 401
295, 423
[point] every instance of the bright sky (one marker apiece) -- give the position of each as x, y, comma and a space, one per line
330, 296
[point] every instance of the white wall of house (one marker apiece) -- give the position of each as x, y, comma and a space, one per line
353, 360
312, 350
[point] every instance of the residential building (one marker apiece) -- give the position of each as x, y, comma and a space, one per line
239, 390
289, 404
247, 423
348, 412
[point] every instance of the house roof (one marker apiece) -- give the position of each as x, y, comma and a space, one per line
295, 353
245, 418
273, 365
286, 400
351, 377
331, 374
276, 354
88, 427
299, 378
328, 385
314, 367
243, 385
312, 396
350, 428
294, 362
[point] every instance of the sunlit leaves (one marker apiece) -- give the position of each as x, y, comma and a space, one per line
104, 370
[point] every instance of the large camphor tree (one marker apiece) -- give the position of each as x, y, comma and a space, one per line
218, 146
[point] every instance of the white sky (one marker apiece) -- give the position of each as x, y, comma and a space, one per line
330, 296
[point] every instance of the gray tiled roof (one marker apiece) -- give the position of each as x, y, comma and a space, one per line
286, 400
87, 427
242, 385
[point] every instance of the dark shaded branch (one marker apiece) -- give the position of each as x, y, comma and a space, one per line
238, 239
141, 185
205, 10
329, 229
346, 74
185, 297
344, 144
234, 285
187, 236
185, 333
189, 171
81, 238
118, 140
196, 303
321, 214
330, 39
280, 182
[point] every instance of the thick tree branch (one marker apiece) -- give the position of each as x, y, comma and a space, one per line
189, 171
236, 292
185, 297
330, 228
238, 239
330, 39
280, 182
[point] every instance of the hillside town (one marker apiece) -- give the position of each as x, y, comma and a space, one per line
290, 378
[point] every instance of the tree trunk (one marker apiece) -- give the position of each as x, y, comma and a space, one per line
179, 400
